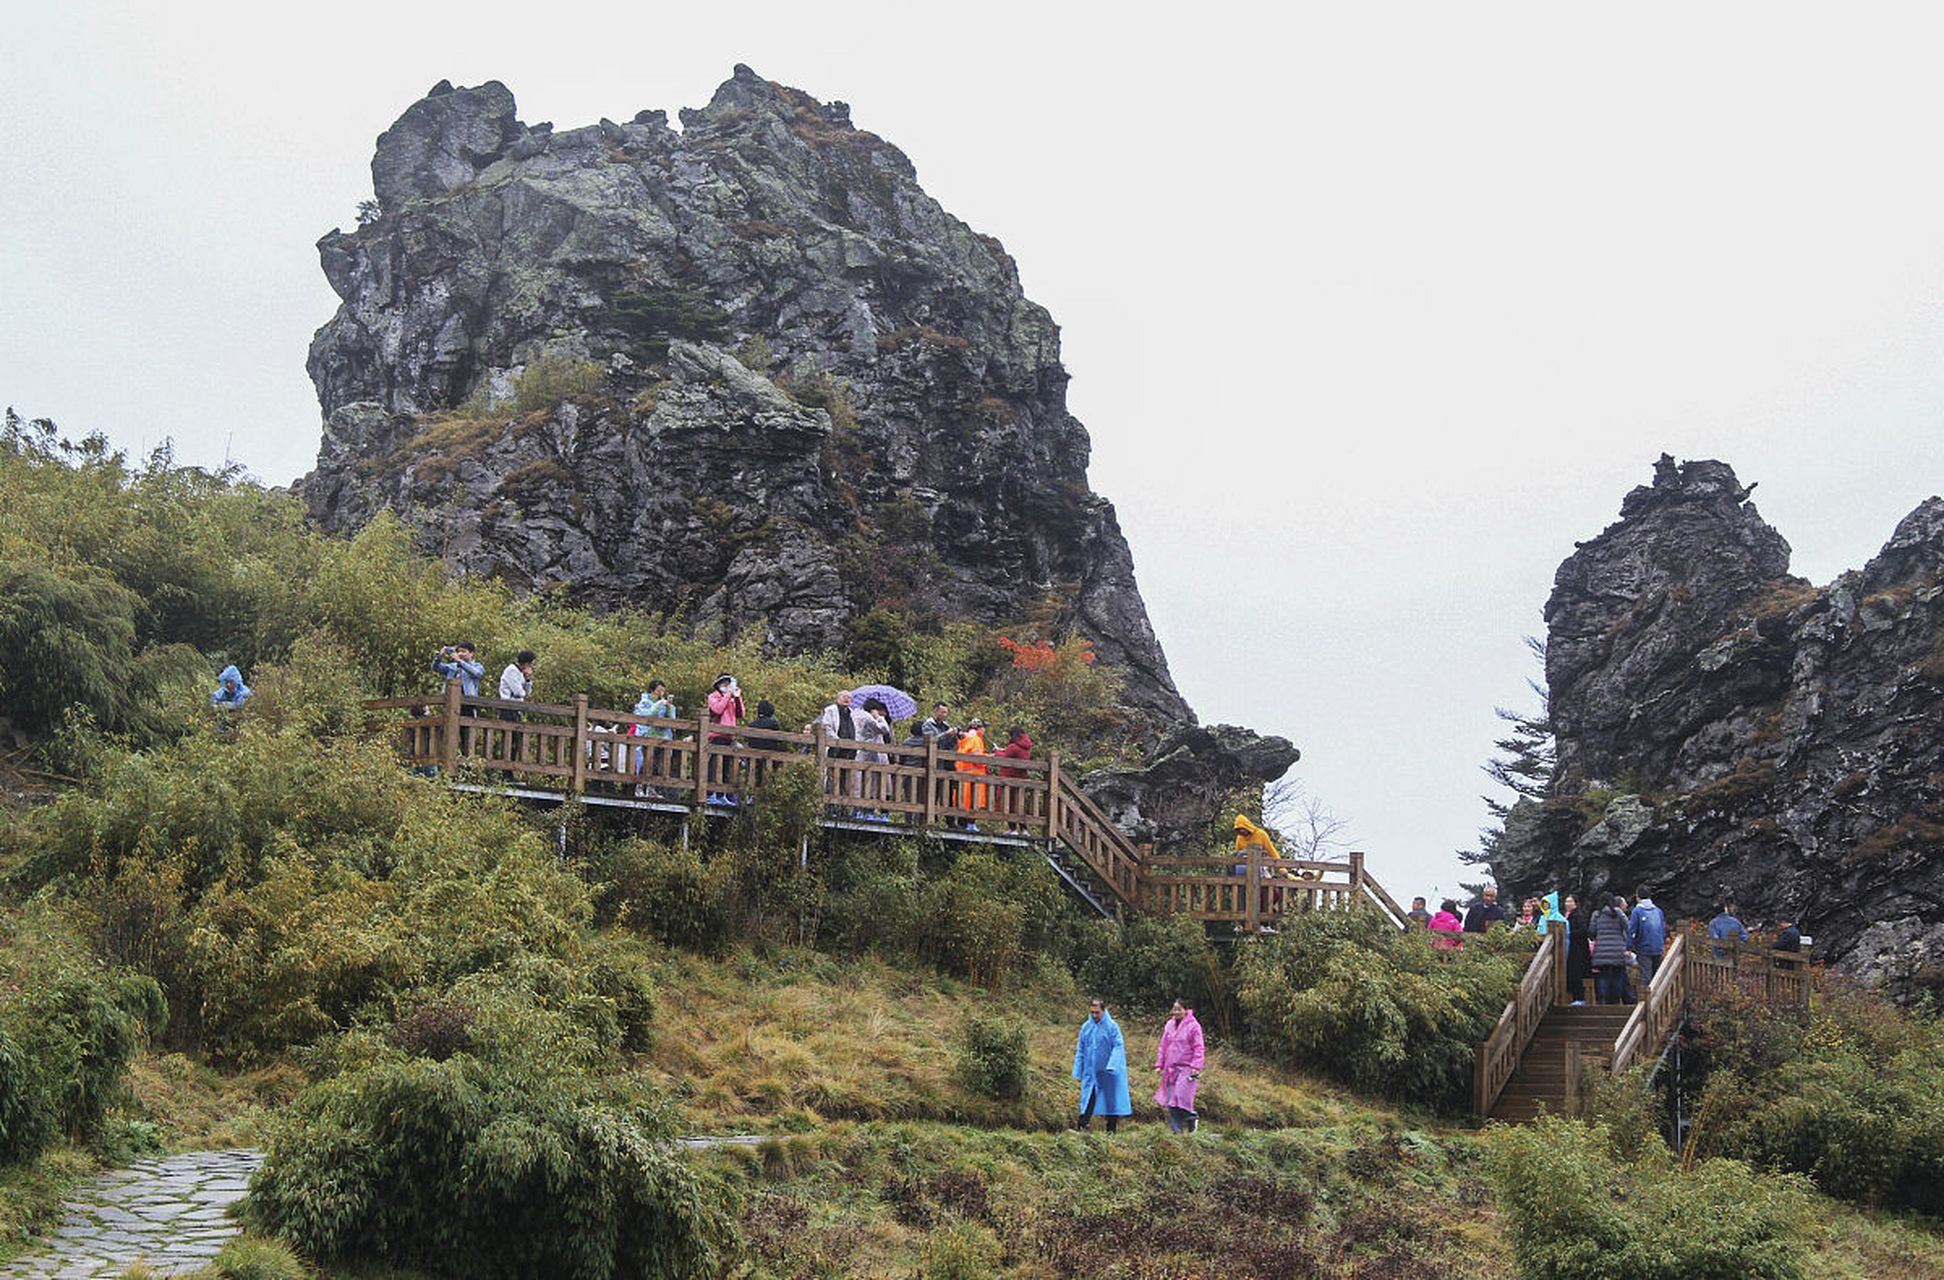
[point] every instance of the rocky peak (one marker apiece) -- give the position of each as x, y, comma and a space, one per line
747, 372
1631, 610
1726, 731
442, 142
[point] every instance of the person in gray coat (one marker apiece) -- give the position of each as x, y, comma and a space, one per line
1609, 933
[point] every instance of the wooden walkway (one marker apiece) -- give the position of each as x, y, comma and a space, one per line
694, 768
1535, 1057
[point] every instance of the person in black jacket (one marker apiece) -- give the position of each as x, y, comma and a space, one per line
765, 719
1608, 931
1486, 912
1579, 951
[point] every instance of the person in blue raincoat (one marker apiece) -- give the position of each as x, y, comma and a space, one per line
1100, 1065
1549, 915
230, 690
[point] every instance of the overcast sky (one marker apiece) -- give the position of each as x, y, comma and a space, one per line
1372, 310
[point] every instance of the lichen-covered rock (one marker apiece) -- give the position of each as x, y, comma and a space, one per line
533, 366
1749, 736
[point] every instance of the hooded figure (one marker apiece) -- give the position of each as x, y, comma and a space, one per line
1100, 1065
1549, 915
230, 690
1179, 1060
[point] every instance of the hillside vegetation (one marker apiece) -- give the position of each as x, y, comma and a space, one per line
468, 1033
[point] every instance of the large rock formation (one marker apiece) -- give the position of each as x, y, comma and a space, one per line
1726, 730
747, 372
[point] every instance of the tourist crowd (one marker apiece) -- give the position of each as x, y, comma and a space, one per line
864, 720
1606, 946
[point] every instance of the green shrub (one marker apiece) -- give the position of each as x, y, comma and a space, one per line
669, 894
472, 1167
67, 1035
69, 640
961, 1251
252, 1258
1578, 1214
1346, 994
1851, 1096
1149, 963
872, 903
974, 921
993, 1059
631, 994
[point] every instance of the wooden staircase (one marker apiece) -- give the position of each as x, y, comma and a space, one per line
1571, 1040
1543, 1047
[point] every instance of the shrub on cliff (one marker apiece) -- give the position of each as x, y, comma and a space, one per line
1348, 995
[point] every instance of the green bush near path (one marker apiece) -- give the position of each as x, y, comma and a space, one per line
478, 1167
1347, 995
1579, 1213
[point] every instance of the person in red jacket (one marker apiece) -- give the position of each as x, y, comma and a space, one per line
1018, 746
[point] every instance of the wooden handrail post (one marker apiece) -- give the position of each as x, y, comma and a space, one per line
1560, 994
1252, 889
931, 777
450, 749
1479, 1058
1052, 795
583, 744
1356, 875
1572, 1077
701, 757
822, 751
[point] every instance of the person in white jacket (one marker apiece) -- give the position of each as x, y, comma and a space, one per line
516, 685
838, 721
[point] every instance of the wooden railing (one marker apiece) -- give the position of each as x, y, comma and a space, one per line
690, 763
1780, 979
1497, 1057
1103, 847
1253, 890
1659, 1010
1697, 968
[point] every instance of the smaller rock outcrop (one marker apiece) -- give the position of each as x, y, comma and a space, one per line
1727, 731
1176, 797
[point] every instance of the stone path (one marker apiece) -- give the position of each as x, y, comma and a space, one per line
170, 1213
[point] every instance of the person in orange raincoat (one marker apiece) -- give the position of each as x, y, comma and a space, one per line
972, 742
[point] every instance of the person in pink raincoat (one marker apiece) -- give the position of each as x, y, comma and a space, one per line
1446, 929
1179, 1062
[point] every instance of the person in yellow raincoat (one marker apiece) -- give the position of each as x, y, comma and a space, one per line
1250, 836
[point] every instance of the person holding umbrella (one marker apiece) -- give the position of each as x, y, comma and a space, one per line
873, 726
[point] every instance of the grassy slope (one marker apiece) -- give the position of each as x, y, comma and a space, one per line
885, 1166
772, 1041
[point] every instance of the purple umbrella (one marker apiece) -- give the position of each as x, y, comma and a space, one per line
898, 704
